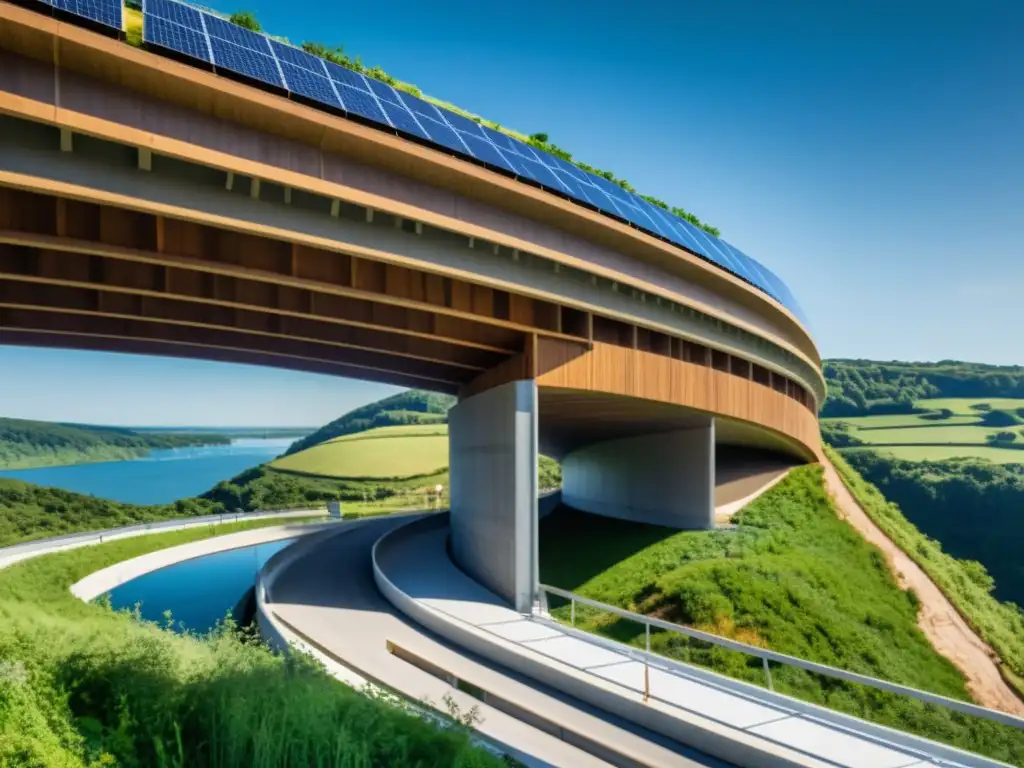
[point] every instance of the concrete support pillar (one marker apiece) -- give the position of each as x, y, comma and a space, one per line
666, 478
492, 439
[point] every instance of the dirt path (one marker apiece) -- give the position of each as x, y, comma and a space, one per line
938, 619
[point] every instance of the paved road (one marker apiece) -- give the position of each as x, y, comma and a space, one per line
330, 597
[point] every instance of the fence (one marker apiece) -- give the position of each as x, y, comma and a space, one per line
766, 656
16, 552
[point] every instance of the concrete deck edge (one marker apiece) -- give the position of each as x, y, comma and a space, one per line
101, 581
727, 744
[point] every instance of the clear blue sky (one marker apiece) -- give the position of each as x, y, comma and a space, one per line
870, 152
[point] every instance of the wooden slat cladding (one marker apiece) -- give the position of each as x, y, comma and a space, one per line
164, 239
642, 374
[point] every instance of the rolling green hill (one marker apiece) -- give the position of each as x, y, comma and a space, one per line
411, 407
381, 453
25, 444
794, 578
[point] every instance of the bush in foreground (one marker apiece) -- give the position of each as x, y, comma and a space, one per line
81, 685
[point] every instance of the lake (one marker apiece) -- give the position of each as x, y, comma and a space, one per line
163, 476
197, 592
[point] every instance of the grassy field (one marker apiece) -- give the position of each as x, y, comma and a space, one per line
947, 452
794, 578
83, 686
962, 405
383, 453
922, 437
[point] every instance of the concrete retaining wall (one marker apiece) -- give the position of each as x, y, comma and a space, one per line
666, 478
492, 444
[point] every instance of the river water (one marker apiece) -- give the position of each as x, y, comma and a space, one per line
161, 477
198, 592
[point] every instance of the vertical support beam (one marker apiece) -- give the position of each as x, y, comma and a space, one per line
287, 195
229, 182
145, 159
493, 469
66, 140
369, 215
254, 188
335, 208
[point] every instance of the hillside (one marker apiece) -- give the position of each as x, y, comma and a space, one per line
25, 444
795, 578
411, 407
380, 453
863, 387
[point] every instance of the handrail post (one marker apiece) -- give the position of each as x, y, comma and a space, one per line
572, 612
767, 673
647, 658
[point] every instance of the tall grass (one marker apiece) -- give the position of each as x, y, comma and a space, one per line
1001, 625
794, 578
81, 685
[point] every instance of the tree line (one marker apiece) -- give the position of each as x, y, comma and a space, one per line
864, 387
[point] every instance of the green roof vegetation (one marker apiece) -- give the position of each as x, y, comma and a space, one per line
793, 577
338, 55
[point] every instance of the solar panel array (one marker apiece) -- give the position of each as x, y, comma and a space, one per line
104, 12
187, 31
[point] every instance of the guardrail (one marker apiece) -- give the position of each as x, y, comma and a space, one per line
652, 659
17, 552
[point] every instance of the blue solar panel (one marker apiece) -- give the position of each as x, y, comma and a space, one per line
312, 86
174, 37
383, 91
463, 124
105, 12
240, 36
245, 61
346, 76
486, 152
403, 120
179, 13
298, 58
442, 134
179, 28
361, 103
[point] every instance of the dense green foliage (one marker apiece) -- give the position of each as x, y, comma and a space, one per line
794, 578
965, 583
81, 685
975, 508
31, 512
411, 407
26, 443
861, 387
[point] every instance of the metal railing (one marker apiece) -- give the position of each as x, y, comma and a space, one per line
766, 656
70, 540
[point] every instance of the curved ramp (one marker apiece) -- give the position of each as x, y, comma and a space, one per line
328, 597
737, 722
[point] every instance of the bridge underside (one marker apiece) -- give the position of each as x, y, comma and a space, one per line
97, 252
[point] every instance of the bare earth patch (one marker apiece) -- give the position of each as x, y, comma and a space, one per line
944, 627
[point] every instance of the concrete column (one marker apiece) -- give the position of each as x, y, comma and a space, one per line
492, 446
666, 478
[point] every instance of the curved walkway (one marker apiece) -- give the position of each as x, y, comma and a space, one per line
947, 630
328, 597
739, 722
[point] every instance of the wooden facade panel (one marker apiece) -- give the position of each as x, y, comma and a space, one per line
638, 373
322, 266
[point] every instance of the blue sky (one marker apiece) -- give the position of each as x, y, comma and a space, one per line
870, 152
